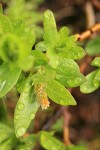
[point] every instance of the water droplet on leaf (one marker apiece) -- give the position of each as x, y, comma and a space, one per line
78, 80
96, 63
79, 54
32, 115
70, 82
17, 117
20, 106
20, 131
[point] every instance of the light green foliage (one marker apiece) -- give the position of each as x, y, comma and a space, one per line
68, 73
93, 47
50, 30
39, 58
27, 143
21, 83
44, 74
50, 143
77, 147
8, 141
27, 10
59, 94
22, 9
12, 51
7, 137
59, 45
8, 78
5, 24
96, 62
26, 108
41, 46
97, 78
93, 78
16, 43
50, 64
91, 85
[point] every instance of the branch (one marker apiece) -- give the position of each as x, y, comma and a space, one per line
88, 33
66, 116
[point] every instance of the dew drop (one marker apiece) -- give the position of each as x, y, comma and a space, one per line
78, 80
17, 117
20, 131
43, 71
32, 115
20, 106
70, 82
96, 62
79, 54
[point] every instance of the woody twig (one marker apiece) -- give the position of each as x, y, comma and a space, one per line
86, 34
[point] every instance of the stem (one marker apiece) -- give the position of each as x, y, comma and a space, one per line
86, 34
66, 117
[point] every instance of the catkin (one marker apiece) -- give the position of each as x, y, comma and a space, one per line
42, 96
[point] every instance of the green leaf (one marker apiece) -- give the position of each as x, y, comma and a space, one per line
8, 78
97, 78
5, 24
21, 83
8, 144
77, 147
72, 52
93, 46
59, 94
89, 86
68, 73
96, 62
16, 9
15, 51
53, 57
50, 143
44, 75
5, 132
27, 63
39, 58
27, 143
26, 108
16, 23
27, 35
50, 30
7, 137
41, 46
63, 33
10, 48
